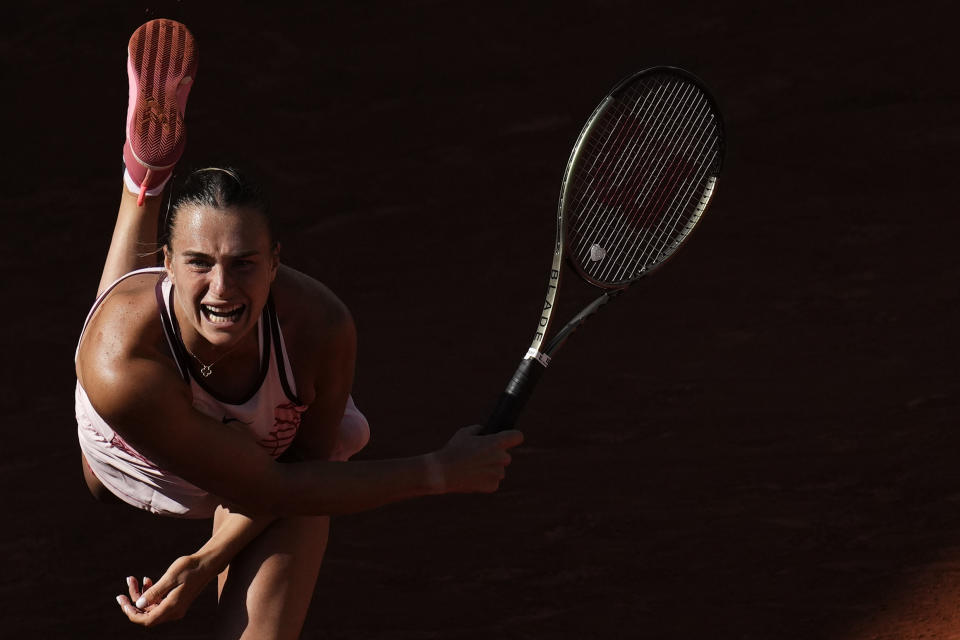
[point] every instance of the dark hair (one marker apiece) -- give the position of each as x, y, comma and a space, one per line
217, 187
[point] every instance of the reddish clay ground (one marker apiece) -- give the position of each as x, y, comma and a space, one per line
759, 442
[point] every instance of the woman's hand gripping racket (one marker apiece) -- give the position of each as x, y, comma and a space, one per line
637, 182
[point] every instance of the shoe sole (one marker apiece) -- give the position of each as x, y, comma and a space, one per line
162, 60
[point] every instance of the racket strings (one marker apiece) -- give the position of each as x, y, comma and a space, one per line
639, 175
619, 133
639, 238
687, 183
612, 137
659, 174
654, 179
622, 169
643, 183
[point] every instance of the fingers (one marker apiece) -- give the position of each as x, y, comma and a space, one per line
509, 439
471, 462
154, 594
494, 477
154, 614
143, 618
140, 606
495, 472
151, 594
133, 588
134, 614
139, 594
125, 605
146, 597
136, 595
506, 439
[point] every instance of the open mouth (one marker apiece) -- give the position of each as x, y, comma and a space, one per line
223, 314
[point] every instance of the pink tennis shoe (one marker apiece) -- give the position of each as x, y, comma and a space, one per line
161, 65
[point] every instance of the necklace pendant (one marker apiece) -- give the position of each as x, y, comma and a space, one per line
205, 371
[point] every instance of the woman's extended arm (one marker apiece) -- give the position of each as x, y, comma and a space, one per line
148, 404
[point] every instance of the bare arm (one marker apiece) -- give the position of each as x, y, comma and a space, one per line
168, 599
148, 404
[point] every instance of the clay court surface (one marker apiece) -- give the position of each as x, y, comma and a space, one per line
759, 442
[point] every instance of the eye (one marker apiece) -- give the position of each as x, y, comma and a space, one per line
198, 263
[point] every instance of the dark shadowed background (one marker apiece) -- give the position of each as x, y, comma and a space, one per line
758, 442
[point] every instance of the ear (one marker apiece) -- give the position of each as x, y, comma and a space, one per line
168, 262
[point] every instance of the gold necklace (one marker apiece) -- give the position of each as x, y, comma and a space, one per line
206, 370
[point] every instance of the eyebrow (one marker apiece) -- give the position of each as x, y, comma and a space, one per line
240, 254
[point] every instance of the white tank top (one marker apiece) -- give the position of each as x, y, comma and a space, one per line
271, 414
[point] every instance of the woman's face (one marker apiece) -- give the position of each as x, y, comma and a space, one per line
222, 263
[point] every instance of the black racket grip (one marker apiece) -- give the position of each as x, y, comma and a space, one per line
513, 399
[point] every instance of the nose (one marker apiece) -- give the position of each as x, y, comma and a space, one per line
220, 281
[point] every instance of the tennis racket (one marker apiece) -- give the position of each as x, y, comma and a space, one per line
639, 179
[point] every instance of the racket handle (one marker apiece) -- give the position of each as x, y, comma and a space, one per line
513, 399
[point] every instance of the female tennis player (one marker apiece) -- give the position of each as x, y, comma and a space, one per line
195, 377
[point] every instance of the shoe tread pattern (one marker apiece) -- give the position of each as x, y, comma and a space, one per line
163, 53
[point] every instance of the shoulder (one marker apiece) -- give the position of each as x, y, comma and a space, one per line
319, 333
123, 334
308, 309
125, 320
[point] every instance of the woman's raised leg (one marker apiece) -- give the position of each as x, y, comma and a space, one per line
134, 243
161, 66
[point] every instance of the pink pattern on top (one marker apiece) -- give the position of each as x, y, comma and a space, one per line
285, 425
121, 444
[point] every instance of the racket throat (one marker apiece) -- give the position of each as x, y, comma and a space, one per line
557, 341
